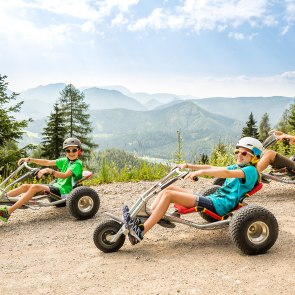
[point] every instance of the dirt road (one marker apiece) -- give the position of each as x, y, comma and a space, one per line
46, 251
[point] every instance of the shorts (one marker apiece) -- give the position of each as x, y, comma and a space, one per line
283, 162
53, 189
205, 202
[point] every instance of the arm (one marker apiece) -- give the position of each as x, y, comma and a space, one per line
287, 136
42, 162
56, 174
197, 167
283, 136
221, 172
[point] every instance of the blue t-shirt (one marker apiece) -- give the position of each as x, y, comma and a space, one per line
229, 194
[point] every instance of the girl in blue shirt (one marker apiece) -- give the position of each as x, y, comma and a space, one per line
240, 179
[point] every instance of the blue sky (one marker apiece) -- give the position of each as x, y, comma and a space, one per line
191, 47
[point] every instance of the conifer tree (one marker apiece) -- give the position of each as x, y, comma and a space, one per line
178, 158
75, 116
291, 118
54, 134
264, 127
250, 129
10, 128
283, 124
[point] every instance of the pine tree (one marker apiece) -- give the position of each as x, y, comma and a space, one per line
283, 124
264, 127
76, 118
10, 129
178, 158
250, 129
291, 118
54, 134
204, 159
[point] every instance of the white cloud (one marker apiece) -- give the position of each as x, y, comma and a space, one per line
17, 22
119, 20
282, 84
88, 26
200, 15
241, 36
288, 75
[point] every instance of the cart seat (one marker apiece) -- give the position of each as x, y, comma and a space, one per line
183, 210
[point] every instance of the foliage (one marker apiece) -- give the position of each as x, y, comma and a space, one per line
204, 159
76, 117
264, 127
178, 156
116, 166
10, 129
283, 124
286, 125
9, 156
250, 129
291, 118
222, 155
54, 134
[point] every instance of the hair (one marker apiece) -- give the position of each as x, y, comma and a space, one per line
255, 165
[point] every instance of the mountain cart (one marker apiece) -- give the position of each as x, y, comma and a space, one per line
253, 229
83, 202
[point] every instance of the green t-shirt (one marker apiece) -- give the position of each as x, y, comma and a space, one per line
65, 186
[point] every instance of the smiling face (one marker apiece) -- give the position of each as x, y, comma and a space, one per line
244, 156
72, 152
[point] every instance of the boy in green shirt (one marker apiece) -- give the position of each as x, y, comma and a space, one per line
70, 171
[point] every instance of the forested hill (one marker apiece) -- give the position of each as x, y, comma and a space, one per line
155, 132
240, 107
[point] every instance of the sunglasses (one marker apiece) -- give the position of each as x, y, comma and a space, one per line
243, 153
71, 151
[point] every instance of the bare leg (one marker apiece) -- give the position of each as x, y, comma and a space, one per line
170, 187
267, 159
32, 191
183, 198
20, 190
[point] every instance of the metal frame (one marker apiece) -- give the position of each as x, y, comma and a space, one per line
140, 209
38, 200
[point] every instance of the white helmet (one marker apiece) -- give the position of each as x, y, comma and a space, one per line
252, 144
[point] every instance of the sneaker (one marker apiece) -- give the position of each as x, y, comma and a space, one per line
4, 215
135, 234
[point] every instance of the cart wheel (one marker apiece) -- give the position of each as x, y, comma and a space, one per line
103, 233
218, 181
83, 202
206, 192
254, 229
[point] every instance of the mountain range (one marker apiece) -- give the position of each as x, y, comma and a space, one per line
147, 123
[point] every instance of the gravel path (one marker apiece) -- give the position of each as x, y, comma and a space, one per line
46, 251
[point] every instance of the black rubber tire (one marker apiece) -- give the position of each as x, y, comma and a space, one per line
254, 229
83, 202
206, 192
105, 228
218, 181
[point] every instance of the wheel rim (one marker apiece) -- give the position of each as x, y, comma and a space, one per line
85, 204
106, 237
258, 232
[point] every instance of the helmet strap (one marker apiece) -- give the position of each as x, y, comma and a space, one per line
254, 160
